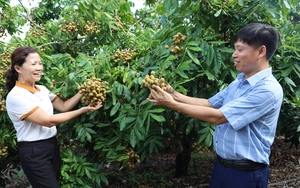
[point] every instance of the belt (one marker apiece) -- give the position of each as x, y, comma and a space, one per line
246, 165
27, 143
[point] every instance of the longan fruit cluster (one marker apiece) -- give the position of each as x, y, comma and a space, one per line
37, 30
133, 158
2, 105
93, 91
36, 34
151, 81
3, 152
179, 38
5, 59
119, 23
53, 85
2, 30
176, 50
70, 27
124, 55
4, 66
199, 148
91, 27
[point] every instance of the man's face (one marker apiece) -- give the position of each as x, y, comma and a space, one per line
245, 58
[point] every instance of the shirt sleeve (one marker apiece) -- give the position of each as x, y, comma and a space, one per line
51, 96
246, 109
20, 104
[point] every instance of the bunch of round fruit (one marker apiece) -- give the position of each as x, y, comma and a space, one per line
93, 91
124, 55
133, 158
199, 148
70, 27
178, 38
3, 151
2, 105
151, 81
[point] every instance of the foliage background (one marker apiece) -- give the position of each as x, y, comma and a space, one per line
80, 39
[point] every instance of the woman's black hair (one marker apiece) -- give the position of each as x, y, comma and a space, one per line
18, 57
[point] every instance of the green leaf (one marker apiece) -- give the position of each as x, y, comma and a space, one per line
133, 140
127, 93
182, 74
115, 109
119, 89
157, 110
210, 55
217, 14
103, 179
289, 81
79, 181
196, 49
191, 55
158, 118
217, 63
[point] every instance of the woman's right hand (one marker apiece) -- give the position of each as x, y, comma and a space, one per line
91, 109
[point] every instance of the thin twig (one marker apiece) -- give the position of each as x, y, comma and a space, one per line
49, 43
284, 182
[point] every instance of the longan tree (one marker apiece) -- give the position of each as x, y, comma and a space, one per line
105, 51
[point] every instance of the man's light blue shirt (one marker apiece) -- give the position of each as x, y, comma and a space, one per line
252, 108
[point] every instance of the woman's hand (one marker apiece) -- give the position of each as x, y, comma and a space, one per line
91, 109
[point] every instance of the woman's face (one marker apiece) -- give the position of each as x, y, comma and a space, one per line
31, 70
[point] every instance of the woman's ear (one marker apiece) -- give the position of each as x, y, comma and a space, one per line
17, 68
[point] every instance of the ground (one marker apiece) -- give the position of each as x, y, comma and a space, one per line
284, 170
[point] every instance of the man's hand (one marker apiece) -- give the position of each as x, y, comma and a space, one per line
160, 97
170, 89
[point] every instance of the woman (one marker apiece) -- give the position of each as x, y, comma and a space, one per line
30, 107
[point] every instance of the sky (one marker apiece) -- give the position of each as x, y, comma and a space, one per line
33, 3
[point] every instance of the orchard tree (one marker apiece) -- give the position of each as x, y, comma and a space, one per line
188, 44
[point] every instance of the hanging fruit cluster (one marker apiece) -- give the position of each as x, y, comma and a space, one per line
124, 55
4, 66
36, 30
91, 27
177, 39
5, 59
93, 91
3, 151
2, 105
70, 27
133, 158
2, 30
199, 148
151, 81
119, 23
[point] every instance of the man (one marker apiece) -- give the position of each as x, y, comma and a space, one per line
246, 112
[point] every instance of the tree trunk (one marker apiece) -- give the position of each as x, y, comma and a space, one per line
183, 158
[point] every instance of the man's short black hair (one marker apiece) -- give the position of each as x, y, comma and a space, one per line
258, 34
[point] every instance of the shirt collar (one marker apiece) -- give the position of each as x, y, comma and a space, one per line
32, 90
256, 77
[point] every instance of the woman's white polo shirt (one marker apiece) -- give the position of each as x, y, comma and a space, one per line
22, 101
